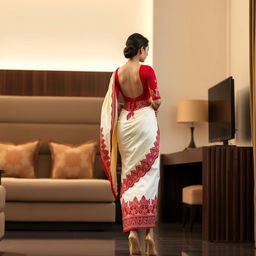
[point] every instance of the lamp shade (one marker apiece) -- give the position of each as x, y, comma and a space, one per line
190, 111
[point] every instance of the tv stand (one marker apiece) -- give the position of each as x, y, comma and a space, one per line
226, 173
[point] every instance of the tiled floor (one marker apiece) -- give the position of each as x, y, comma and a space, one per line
171, 240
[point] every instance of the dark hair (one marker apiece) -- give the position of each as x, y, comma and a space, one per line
133, 44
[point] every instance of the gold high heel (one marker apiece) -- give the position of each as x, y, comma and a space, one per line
150, 248
134, 246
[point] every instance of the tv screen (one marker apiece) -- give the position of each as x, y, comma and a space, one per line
221, 111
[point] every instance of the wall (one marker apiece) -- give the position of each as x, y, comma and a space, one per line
239, 67
190, 55
196, 44
70, 34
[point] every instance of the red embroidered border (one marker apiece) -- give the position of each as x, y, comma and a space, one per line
105, 154
139, 207
142, 168
139, 214
105, 160
113, 112
132, 106
139, 222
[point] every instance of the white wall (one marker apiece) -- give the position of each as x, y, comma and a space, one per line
239, 66
70, 34
196, 44
190, 55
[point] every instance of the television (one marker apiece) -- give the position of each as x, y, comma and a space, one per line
221, 111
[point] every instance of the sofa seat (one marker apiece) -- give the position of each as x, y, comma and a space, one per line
57, 190
59, 211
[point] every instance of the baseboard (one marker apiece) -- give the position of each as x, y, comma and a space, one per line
58, 226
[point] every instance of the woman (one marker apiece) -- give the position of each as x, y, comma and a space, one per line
136, 132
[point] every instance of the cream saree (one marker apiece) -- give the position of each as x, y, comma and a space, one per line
138, 142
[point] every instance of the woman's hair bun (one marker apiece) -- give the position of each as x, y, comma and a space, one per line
130, 51
133, 44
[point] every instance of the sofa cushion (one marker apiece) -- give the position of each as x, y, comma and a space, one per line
65, 190
19, 160
67, 133
44, 162
73, 161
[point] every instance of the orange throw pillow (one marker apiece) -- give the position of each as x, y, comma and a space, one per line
73, 161
19, 160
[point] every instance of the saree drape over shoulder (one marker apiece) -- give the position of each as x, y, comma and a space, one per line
135, 131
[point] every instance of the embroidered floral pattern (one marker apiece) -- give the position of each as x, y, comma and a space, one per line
139, 222
131, 106
141, 169
155, 94
139, 213
135, 105
104, 152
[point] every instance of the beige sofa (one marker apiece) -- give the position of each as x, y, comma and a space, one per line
70, 120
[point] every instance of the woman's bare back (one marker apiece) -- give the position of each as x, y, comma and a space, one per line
129, 80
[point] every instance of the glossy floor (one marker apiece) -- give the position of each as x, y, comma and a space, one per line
171, 240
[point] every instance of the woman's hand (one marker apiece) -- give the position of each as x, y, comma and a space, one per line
155, 105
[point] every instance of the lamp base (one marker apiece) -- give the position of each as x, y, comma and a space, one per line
192, 142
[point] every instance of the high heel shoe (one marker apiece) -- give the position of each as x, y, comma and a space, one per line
134, 246
150, 248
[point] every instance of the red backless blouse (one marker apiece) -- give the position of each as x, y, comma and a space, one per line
150, 90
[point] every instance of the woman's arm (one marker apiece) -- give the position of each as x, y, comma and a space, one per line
155, 99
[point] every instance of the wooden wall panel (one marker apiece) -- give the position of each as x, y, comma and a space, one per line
54, 83
228, 193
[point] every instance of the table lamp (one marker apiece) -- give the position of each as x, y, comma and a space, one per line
192, 111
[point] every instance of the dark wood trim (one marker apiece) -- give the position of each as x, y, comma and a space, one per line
54, 83
187, 156
57, 226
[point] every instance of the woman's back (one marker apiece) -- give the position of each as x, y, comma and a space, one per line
137, 83
130, 81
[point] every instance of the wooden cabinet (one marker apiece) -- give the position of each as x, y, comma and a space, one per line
226, 173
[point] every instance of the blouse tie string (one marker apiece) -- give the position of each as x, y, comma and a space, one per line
132, 108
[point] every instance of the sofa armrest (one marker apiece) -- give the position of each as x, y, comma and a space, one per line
1, 172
